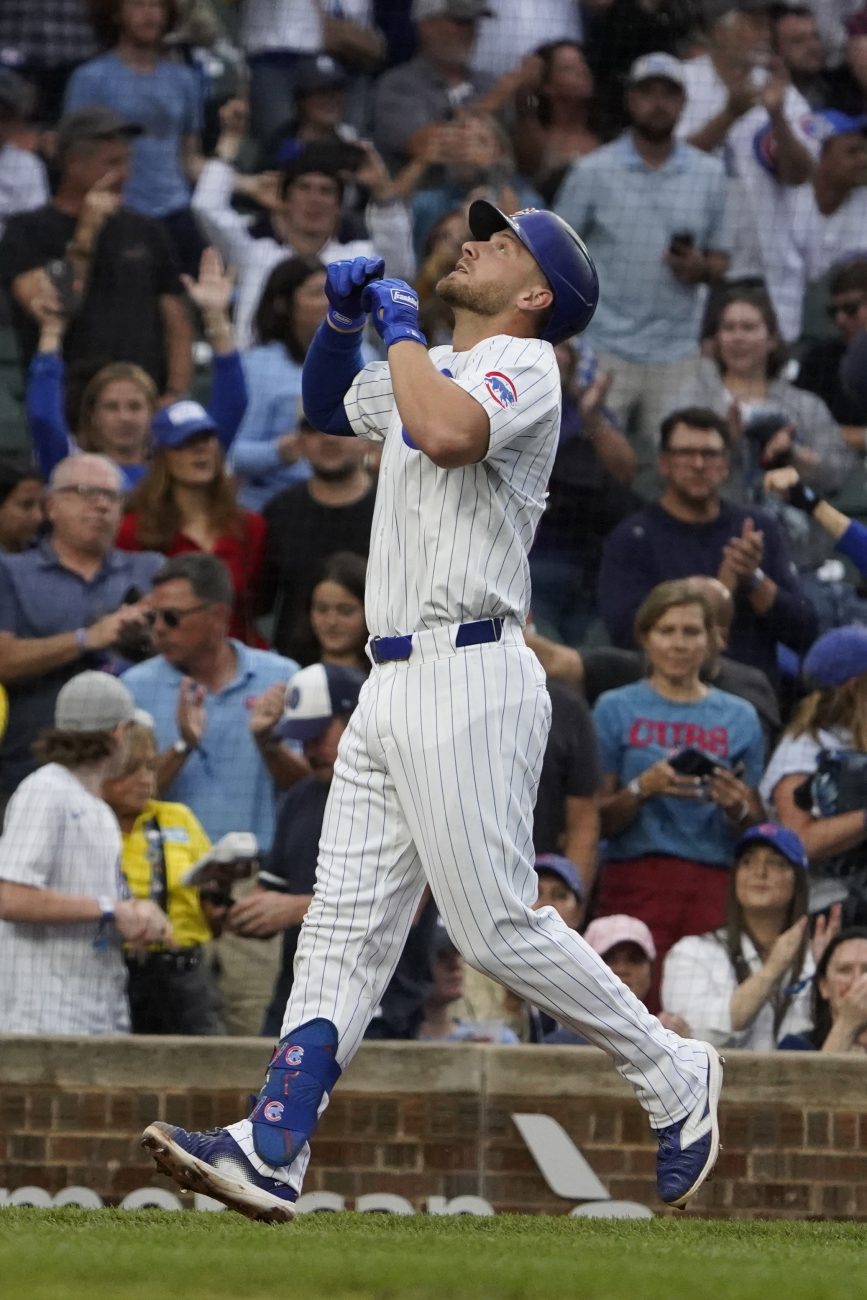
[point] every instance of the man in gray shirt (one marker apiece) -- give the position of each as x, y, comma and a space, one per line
65, 603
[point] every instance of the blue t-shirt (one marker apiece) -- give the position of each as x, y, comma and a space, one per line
638, 727
166, 103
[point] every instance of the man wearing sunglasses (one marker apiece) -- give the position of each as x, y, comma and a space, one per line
829, 366
66, 604
214, 701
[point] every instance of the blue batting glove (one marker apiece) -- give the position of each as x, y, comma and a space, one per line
393, 308
344, 284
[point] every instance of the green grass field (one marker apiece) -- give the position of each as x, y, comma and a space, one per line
73, 1254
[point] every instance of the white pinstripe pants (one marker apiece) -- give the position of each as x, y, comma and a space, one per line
436, 781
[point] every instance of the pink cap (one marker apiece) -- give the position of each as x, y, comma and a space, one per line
606, 932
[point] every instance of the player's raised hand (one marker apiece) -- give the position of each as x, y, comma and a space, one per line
345, 283
393, 307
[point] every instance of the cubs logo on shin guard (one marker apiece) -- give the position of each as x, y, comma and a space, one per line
302, 1069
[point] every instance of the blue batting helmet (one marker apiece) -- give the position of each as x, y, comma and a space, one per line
559, 252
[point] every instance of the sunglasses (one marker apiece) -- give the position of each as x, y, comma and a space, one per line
172, 617
90, 492
849, 309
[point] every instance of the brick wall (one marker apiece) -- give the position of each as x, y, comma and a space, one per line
420, 1121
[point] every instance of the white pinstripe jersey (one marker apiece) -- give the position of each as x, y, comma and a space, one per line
52, 980
450, 546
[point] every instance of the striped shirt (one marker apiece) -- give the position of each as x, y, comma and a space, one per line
60, 837
450, 546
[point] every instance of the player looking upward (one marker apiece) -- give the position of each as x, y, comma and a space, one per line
436, 774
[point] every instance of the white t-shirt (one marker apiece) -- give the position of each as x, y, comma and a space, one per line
807, 245
754, 192
58, 836
698, 980
294, 24
517, 27
798, 755
450, 546
23, 182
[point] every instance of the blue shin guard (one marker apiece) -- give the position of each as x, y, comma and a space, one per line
302, 1069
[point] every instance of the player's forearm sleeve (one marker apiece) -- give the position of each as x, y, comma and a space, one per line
332, 362
853, 544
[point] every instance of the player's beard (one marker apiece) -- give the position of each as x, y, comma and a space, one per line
481, 299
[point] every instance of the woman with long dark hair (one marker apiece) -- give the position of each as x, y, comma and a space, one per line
22, 511
265, 454
558, 124
839, 997
336, 629
188, 503
749, 982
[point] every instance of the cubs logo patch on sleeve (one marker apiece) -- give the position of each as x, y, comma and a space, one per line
501, 388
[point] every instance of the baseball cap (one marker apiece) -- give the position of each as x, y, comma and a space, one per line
460, 9
779, 838
322, 73
827, 123
564, 869
93, 124
606, 932
837, 656
93, 701
314, 696
661, 65
175, 424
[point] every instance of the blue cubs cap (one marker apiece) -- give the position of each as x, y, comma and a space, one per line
176, 424
826, 123
314, 696
837, 656
564, 869
780, 838
560, 254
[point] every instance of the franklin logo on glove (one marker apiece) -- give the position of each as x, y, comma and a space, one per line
404, 296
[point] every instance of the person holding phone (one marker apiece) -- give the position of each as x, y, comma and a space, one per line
681, 762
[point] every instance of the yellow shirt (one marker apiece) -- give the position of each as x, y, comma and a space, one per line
184, 842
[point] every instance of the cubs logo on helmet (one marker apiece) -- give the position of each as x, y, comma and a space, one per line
501, 388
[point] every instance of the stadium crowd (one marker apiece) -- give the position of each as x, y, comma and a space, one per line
182, 554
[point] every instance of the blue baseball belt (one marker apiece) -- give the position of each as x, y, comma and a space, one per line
390, 649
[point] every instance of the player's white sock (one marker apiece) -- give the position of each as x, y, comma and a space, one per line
242, 1132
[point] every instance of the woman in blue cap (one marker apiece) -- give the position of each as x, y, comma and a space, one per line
816, 781
749, 983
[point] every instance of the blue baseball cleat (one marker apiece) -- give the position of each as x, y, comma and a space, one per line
688, 1149
214, 1164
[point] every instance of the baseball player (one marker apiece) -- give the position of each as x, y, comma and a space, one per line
436, 774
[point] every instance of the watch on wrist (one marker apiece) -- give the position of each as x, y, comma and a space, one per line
181, 746
634, 788
756, 580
